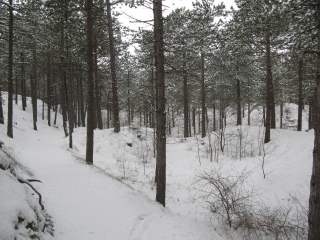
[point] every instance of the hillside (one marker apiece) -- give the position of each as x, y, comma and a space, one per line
114, 199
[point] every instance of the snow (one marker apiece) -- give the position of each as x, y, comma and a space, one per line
115, 197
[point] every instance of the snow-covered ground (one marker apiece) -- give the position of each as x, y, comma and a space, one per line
114, 198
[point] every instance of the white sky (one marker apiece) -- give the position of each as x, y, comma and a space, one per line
144, 14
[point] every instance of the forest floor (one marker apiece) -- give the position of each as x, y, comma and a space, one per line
114, 198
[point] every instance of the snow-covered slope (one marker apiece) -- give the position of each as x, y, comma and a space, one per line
114, 199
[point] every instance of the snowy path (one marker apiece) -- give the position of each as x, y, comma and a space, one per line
87, 204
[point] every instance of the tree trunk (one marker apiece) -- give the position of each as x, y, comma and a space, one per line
203, 99
128, 98
300, 102
185, 97
268, 89
34, 88
16, 89
90, 113
116, 122
314, 200
249, 113
10, 67
239, 122
70, 106
63, 86
97, 91
23, 82
194, 120
310, 125
161, 122
49, 91
1, 109
281, 114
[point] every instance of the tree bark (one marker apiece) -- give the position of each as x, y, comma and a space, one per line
49, 91
185, 97
1, 109
281, 115
128, 97
203, 99
63, 86
239, 122
90, 113
161, 119
10, 67
300, 102
314, 199
310, 125
116, 122
269, 90
97, 90
23, 82
34, 90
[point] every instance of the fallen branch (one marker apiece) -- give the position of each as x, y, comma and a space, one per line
40, 197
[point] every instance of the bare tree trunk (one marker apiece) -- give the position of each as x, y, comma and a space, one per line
203, 99
161, 122
10, 67
194, 120
239, 119
185, 97
49, 90
249, 113
300, 103
82, 111
97, 91
115, 103
23, 82
310, 125
63, 86
34, 88
128, 97
314, 200
268, 89
1, 109
90, 114
16, 89
281, 114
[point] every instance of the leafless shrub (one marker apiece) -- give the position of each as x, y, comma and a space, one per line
240, 208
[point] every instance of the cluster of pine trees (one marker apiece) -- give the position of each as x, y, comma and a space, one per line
76, 56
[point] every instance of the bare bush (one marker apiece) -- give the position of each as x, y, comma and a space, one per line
240, 208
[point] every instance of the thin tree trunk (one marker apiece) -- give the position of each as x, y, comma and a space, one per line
203, 99
1, 109
185, 97
267, 137
310, 125
281, 115
300, 103
82, 111
49, 91
97, 91
239, 119
23, 82
249, 113
90, 65
161, 123
10, 67
115, 103
63, 87
128, 97
16, 89
34, 90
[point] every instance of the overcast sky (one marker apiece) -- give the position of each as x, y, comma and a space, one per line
144, 14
